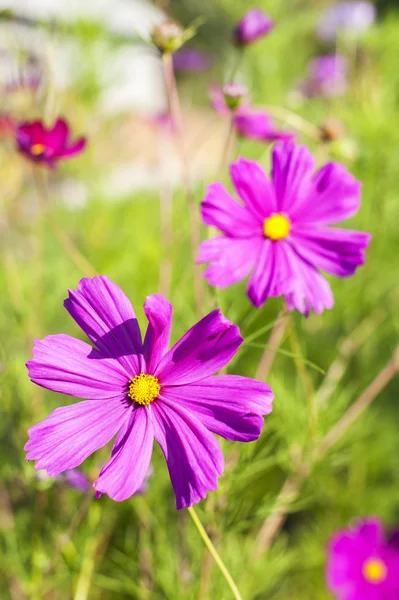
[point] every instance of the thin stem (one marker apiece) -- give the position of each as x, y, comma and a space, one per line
175, 117
74, 254
357, 408
275, 340
166, 230
214, 553
294, 120
293, 484
226, 147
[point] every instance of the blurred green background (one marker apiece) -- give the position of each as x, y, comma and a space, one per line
57, 543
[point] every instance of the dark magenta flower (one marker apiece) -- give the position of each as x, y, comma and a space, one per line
254, 24
327, 76
47, 145
191, 60
346, 18
362, 565
140, 390
280, 229
248, 121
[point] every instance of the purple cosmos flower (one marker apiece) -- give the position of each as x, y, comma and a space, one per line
141, 391
348, 18
77, 479
254, 24
362, 565
47, 146
248, 122
327, 76
279, 229
191, 60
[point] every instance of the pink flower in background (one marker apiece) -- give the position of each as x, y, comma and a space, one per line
327, 76
191, 60
248, 121
279, 229
47, 145
348, 18
139, 390
254, 25
76, 479
362, 565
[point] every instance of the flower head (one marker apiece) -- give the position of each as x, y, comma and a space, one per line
362, 565
248, 121
348, 18
191, 60
47, 145
280, 229
139, 390
327, 76
254, 24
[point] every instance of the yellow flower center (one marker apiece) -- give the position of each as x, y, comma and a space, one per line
276, 227
374, 570
143, 389
37, 149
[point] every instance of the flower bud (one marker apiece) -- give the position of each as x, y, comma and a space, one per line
255, 24
233, 94
168, 36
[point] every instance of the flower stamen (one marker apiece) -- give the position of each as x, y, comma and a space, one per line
277, 226
37, 149
374, 570
143, 389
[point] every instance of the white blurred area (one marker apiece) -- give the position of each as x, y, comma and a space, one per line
136, 153
131, 75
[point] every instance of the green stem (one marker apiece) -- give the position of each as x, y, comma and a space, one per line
214, 553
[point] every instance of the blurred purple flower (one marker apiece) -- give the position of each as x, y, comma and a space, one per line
327, 76
248, 121
139, 391
47, 145
362, 565
280, 229
77, 479
348, 18
191, 60
254, 24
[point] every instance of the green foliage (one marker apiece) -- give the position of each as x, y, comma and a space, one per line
54, 543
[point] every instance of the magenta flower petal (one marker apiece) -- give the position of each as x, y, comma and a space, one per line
202, 351
220, 210
107, 317
292, 171
71, 433
194, 458
238, 255
334, 196
336, 251
254, 188
254, 25
228, 405
124, 474
69, 366
76, 479
273, 274
75, 148
308, 289
256, 124
57, 137
156, 343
